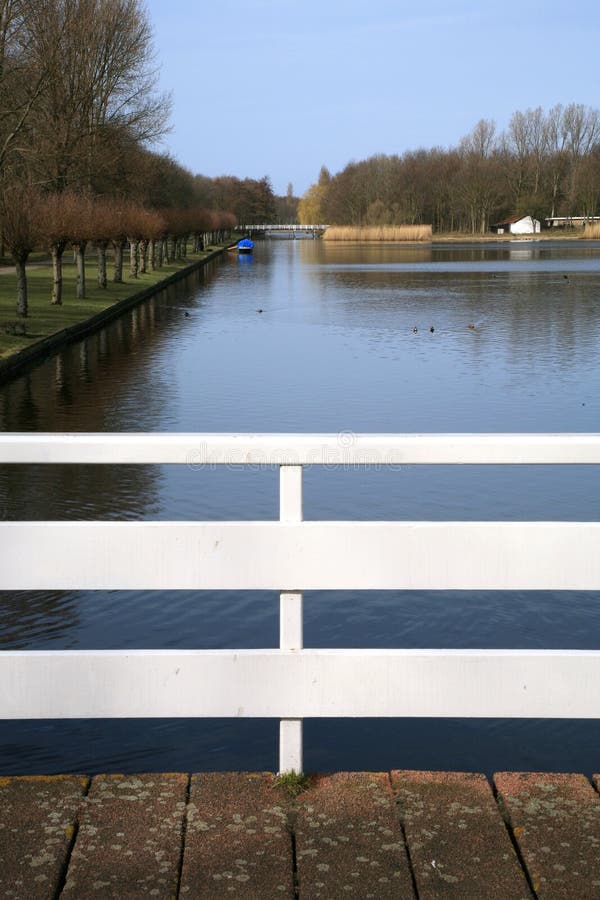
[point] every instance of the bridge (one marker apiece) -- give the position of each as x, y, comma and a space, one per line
292, 231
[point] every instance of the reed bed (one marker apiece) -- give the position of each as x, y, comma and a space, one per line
592, 231
378, 233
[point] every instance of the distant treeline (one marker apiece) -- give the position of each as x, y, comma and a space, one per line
544, 164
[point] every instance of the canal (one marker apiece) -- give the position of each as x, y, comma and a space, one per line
308, 336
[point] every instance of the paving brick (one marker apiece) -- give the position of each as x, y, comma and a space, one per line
130, 838
38, 817
349, 841
457, 840
237, 839
555, 820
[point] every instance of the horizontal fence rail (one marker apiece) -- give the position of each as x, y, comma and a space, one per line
303, 449
292, 556
314, 683
299, 557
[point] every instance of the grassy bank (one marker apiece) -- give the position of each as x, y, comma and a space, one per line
45, 320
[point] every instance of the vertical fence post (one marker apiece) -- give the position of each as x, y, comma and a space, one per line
291, 618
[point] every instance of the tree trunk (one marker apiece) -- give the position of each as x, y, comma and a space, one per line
142, 250
102, 280
79, 248
57, 251
118, 275
555, 185
159, 254
22, 304
133, 258
151, 256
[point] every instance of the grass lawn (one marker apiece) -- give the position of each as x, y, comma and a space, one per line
45, 319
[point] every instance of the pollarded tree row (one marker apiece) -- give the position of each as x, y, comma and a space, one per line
32, 220
79, 115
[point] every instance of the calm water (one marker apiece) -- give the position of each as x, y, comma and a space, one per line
333, 350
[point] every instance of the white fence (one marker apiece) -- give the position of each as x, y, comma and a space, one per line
292, 556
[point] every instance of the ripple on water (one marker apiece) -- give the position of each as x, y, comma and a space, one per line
333, 351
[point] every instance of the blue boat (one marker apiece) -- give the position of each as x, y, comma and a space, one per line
245, 245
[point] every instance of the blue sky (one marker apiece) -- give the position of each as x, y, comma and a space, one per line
280, 88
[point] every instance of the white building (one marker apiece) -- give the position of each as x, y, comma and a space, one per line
518, 225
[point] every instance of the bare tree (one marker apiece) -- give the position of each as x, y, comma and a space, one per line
20, 217
482, 139
59, 215
581, 126
142, 227
83, 232
20, 84
100, 95
101, 229
528, 142
120, 212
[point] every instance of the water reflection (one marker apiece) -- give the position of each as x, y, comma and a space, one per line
87, 387
325, 253
51, 618
533, 319
332, 350
96, 375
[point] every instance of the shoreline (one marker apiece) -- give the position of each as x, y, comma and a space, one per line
12, 364
450, 238
462, 238
15, 362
